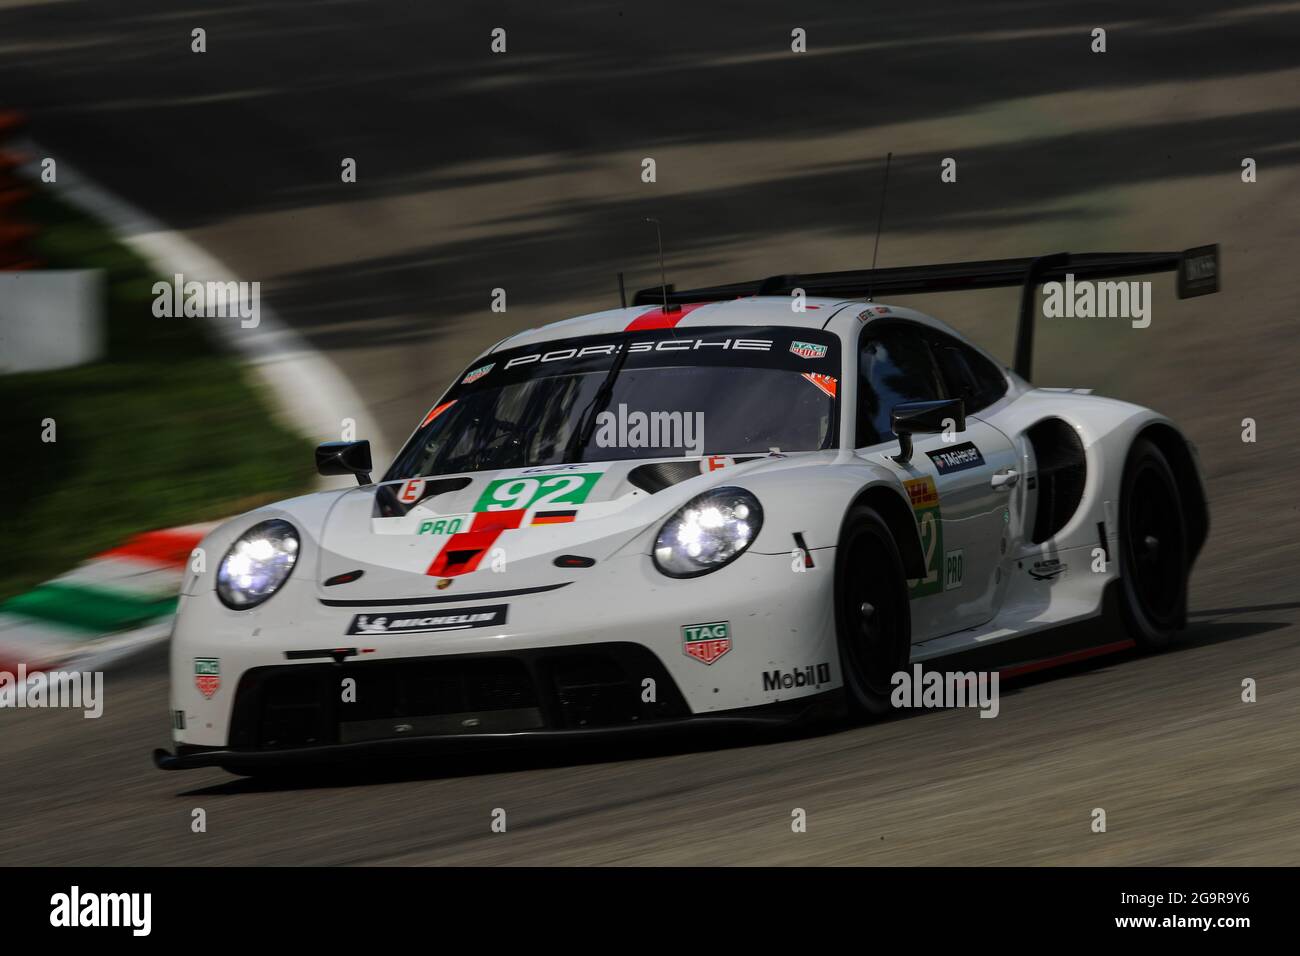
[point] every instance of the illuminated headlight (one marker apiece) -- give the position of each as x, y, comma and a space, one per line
257, 564
708, 532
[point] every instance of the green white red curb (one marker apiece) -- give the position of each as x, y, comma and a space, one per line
109, 607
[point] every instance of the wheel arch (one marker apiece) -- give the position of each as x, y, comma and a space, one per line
897, 515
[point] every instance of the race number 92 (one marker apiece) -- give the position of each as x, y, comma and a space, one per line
510, 494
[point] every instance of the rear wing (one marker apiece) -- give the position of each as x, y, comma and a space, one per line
1197, 268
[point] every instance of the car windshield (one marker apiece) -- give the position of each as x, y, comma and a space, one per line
657, 394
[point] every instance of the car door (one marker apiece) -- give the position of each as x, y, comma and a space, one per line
957, 481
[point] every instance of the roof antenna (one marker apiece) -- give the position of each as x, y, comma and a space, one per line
622, 292
663, 278
880, 222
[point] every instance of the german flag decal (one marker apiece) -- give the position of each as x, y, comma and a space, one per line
553, 517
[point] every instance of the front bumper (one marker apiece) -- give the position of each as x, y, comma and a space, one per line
603, 652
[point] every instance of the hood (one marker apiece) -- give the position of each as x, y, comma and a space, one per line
405, 535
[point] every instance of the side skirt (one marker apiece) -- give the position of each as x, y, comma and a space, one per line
1080, 639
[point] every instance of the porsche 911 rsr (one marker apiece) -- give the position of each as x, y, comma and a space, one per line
739, 506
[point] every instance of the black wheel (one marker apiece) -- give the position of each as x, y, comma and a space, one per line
1152, 548
872, 618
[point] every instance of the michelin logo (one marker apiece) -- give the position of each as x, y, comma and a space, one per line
456, 620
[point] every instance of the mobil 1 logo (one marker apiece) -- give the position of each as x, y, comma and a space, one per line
813, 675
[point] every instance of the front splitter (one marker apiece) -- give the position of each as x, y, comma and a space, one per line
769, 718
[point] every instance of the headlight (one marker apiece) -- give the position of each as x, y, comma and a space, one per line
257, 564
708, 532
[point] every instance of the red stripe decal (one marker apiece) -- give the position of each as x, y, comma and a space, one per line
165, 547
1069, 658
464, 550
659, 319
435, 412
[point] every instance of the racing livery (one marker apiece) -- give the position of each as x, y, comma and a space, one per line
740, 505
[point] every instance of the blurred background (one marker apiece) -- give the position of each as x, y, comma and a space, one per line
522, 171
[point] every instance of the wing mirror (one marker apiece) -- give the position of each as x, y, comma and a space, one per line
345, 458
925, 418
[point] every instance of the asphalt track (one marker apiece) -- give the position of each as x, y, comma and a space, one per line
522, 171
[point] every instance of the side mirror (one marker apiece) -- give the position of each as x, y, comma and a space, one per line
345, 458
925, 418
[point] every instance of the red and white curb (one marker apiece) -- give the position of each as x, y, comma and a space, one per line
108, 608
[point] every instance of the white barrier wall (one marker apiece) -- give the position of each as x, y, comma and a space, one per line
50, 319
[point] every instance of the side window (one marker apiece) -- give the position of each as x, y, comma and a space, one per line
894, 366
967, 374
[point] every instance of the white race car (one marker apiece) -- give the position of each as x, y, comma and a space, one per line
743, 505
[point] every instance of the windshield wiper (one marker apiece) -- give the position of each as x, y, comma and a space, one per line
587, 422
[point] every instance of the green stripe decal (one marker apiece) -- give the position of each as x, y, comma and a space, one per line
92, 610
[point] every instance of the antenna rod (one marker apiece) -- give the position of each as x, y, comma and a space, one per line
622, 292
880, 222
663, 277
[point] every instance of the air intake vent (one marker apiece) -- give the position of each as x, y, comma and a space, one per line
1062, 470
387, 505
658, 475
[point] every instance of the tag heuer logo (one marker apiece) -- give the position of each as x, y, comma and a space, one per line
477, 374
207, 675
706, 642
808, 350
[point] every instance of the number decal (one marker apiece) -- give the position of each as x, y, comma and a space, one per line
510, 494
930, 539
925, 506
560, 485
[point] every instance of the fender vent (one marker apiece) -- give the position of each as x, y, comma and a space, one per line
1062, 469
387, 505
658, 475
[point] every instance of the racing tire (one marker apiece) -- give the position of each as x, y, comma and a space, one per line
1153, 548
873, 622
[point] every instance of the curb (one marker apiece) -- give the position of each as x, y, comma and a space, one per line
307, 390
124, 599
111, 606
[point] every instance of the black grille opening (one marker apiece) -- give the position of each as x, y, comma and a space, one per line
602, 685
433, 686
595, 691
291, 714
